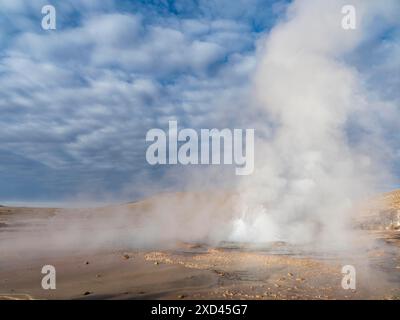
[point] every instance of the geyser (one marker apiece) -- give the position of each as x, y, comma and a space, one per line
308, 174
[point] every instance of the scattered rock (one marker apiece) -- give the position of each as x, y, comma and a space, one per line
126, 256
87, 262
87, 293
290, 274
156, 263
98, 275
300, 279
181, 296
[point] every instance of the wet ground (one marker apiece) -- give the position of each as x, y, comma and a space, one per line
193, 270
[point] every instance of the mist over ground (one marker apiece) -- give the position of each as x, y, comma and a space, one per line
322, 119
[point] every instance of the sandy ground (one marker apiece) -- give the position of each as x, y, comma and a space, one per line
192, 270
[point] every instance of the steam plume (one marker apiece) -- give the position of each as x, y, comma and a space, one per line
309, 174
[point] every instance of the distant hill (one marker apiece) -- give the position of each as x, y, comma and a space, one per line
392, 199
382, 212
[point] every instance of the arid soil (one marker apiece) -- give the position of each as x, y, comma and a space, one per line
191, 270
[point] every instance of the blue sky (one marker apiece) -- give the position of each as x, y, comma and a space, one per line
76, 102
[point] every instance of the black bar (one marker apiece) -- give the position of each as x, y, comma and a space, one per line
138, 309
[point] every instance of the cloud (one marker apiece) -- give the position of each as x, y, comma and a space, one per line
81, 98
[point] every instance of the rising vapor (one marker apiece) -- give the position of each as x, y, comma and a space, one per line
309, 174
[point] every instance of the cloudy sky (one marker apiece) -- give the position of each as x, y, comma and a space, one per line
76, 102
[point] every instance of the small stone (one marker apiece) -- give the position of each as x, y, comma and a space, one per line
156, 263
300, 279
126, 256
181, 296
87, 262
290, 274
87, 293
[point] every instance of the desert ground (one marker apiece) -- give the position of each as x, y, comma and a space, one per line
109, 267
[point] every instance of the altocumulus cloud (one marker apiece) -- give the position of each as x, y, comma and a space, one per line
77, 102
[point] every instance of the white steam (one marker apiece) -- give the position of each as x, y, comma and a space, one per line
308, 174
